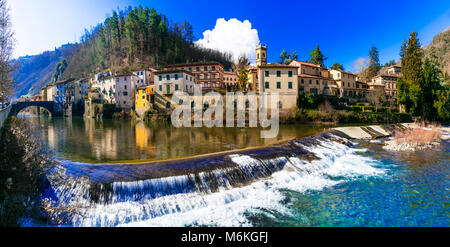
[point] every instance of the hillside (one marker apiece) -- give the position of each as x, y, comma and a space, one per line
439, 52
33, 72
137, 37
134, 38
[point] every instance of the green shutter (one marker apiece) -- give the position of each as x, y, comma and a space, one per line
278, 84
267, 84
290, 85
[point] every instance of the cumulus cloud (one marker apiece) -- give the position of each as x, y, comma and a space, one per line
232, 36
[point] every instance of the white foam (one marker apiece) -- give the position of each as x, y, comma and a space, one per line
337, 163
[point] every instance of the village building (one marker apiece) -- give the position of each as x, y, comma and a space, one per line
281, 79
51, 91
210, 75
345, 81
230, 79
388, 78
169, 81
125, 85
145, 97
145, 77
60, 90
315, 79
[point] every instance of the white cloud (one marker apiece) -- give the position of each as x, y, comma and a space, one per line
233, 36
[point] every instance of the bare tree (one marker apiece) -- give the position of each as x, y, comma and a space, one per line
242, 63
376, 97
6, 52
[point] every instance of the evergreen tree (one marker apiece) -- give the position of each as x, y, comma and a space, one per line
409, 87
317, 57
374, 63
337, 66
286, 58
429, 88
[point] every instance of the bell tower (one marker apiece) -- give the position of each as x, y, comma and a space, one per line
261, 55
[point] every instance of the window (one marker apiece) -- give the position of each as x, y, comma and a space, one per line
267, 84
176, 76
125, 93
290, 85
167, 77
213, 68
317, 82
310, 81
176, 86
278, 73
205, 69
303, 81
198, 68
214, 76
278, 84
290, 73
160, 88
125, 87
267, 73
190, 69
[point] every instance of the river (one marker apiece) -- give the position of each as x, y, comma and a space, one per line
325, 181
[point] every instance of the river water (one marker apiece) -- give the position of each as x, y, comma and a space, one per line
325, 181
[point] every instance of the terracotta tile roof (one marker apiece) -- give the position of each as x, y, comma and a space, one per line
306, 63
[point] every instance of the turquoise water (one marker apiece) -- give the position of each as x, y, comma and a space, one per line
414, 191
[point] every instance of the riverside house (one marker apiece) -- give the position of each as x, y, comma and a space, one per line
345, 81
169, 81
125, 85
315, 79
60, 90
281, 79
145, 97
210, 75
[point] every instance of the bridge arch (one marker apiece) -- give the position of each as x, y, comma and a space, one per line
56, 109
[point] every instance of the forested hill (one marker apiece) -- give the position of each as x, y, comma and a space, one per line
128, 38
439, 53
135, 37
33, 72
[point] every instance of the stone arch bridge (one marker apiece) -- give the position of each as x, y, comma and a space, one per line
56, 109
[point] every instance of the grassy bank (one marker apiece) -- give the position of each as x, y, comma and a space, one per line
341, 117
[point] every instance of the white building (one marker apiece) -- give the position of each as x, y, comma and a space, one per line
145, 77
169, 81
125, 86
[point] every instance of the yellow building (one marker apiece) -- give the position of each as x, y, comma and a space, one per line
144, 99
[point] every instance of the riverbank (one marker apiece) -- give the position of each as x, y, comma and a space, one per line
24, 164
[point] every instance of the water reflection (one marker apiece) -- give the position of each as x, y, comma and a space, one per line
90, 140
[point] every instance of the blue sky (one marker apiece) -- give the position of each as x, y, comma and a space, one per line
345, 30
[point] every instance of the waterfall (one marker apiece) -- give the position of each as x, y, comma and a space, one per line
237, 183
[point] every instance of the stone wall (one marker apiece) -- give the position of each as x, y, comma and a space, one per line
4, 115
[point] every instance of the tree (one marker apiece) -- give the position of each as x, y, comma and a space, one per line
390, 63
6, 51
429, 88
243, 79
442, 105
242, 63
59, 70
317, 57
337, 66
376, 97
409, 85
286, 58
374, 63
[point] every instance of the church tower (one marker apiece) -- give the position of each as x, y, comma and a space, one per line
261, 55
